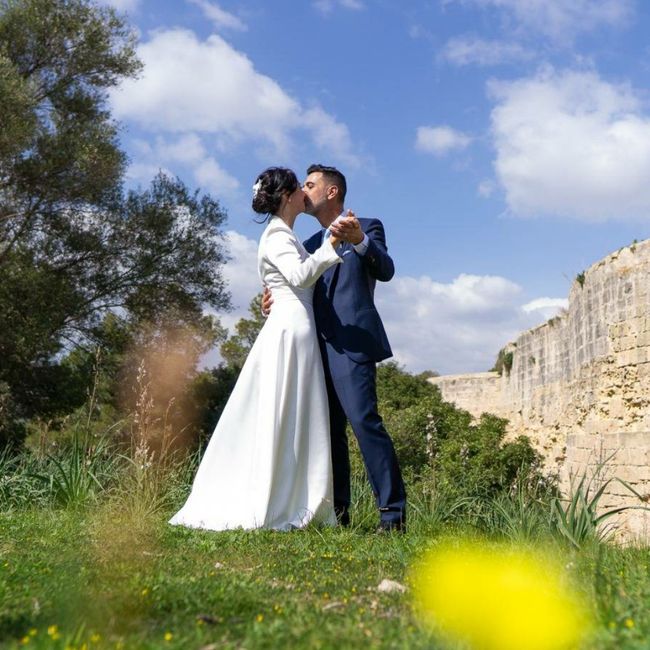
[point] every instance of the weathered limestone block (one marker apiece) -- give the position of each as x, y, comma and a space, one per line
579, 385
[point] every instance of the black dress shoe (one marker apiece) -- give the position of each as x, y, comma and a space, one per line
342, 516
391, 527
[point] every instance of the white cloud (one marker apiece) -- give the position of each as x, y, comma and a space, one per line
456, 327
573, 145
241, 274
218, 16
187, 150
486, 188
466, 50
208, 87
330, 135
440, 140
244, 284
545, 307
327, 6
562, 20
124, 5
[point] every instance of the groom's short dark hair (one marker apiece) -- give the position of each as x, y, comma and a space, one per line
333, 176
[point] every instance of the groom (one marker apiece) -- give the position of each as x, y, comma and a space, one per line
352, 340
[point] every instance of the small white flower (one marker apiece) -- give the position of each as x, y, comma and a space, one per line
256, 188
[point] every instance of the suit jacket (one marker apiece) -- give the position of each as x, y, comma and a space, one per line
344, 306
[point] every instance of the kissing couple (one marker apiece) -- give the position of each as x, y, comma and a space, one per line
278, 457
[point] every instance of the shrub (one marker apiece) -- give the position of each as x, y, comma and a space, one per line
438, 441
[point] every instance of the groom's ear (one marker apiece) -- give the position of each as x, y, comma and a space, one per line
332, 192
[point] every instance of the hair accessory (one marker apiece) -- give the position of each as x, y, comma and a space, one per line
256, 188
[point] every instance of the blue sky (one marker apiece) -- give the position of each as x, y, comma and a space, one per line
505, 144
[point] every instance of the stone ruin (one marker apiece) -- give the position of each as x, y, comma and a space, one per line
579, 385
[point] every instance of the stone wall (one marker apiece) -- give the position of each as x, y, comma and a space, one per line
627, 457
580, 382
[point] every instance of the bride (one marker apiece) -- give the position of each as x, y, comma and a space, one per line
268, 463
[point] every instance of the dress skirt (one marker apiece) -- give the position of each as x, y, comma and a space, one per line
268, 463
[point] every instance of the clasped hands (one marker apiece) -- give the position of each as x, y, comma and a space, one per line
346, 229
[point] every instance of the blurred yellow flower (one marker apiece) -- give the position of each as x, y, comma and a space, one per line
168, 636
259, 618
498, 599
629, 623
52, 630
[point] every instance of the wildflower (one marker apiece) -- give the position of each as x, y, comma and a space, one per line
25, 640
168, 636
95, 638
498, 600
52, 630
259, 618
144, 592
629, 623
33, 632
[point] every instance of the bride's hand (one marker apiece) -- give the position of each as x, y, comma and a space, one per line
335, 241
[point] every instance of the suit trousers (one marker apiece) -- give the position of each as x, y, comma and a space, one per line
352, 395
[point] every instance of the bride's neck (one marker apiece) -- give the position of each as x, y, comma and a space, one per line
288, 220
287, 216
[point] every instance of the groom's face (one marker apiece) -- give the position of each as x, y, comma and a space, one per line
316, 193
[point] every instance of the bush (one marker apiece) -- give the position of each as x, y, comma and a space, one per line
438, 441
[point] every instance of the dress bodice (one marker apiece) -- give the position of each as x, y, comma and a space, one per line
284, 265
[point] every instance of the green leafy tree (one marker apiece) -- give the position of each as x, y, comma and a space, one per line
436, 440
236, 348
73, 246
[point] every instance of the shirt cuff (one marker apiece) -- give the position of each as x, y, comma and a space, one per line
362, 247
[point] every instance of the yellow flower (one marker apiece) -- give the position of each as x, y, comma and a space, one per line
33, 632
144, 592
25, 640
629, 623
95, 637
52, 630
168, 636
497, 599
259, 618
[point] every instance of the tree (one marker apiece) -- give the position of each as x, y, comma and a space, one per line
73, 246
435, 439
235, 349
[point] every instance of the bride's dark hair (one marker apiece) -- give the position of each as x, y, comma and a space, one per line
271, 185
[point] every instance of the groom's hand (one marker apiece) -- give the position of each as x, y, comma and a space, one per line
348, 229
267, 301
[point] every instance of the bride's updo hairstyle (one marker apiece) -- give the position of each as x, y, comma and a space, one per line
271, 185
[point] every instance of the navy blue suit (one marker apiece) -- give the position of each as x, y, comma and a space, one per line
352, 340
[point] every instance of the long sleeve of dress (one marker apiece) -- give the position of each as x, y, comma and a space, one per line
299, 268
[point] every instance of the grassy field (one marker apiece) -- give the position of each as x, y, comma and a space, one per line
110, 573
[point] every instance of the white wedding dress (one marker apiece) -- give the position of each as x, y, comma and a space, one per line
268, 463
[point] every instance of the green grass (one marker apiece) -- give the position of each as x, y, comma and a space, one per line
110, 574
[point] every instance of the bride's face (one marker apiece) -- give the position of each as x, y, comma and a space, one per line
296, 201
